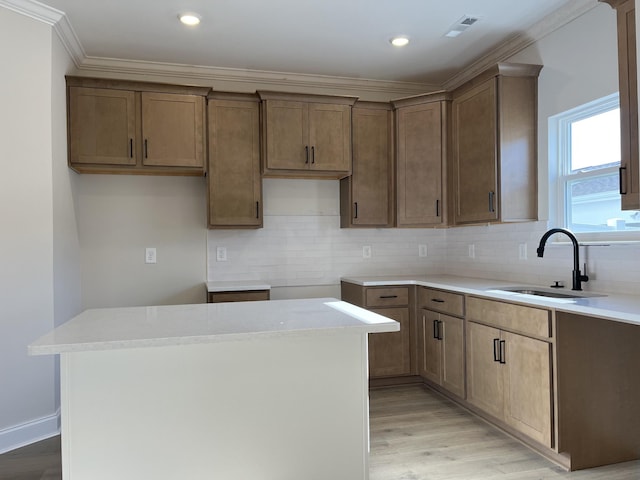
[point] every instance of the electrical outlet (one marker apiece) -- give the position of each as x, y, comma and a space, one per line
522, 251
366, 251
150, 255
472, 251
422, 250
221, 254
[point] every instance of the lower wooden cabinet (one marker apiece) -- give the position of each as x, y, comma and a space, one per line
238, 296
390, 353
509, 376
441, 343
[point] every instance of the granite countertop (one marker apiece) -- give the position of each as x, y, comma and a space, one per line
621, 308
236, 286
134, 327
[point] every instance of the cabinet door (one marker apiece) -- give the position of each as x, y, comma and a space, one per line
484, 375
330, 137
475, 154
430, 366
627, 79
234, 182
366, 197
527, 384
452, 340
390, 353
287, 135
172, 130
102, 126
420, 165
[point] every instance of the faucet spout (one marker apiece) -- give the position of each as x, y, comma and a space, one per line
577, 276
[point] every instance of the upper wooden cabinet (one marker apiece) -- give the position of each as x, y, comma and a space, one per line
421, 160
306, 135
234, 181
494, 146
135, 127
367, 196
102, 126
628, 84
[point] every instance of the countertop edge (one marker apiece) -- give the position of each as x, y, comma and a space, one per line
487, 284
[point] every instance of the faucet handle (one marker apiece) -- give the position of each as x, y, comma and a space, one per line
584, 277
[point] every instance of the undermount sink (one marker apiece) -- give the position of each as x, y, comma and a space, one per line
546, 292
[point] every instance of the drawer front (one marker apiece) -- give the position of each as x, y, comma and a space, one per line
517, 318
238, 296
441, 301
386, 297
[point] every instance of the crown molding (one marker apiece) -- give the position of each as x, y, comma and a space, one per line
121, 67
57, 19
552, 22
210, 75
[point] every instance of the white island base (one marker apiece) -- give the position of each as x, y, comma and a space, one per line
285, 406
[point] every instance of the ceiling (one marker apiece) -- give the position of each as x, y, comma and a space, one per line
337, 38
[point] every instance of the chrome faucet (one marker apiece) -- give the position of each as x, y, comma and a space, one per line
578, 278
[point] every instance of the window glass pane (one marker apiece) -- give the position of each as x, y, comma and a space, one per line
593, 205
595, 141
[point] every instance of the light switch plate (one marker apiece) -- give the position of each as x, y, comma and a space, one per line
221, 254
366, 251
422, 250
522, 251
472, 251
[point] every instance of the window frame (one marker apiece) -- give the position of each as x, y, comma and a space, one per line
560, 174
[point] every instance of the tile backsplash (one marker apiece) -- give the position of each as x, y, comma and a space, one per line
302, 244
305, 250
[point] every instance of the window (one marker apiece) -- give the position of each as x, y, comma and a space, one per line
587, 142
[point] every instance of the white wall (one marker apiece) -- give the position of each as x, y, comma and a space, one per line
119, 216
67, 290
27, 391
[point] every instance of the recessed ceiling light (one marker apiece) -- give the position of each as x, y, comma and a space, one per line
399, 41
191, 19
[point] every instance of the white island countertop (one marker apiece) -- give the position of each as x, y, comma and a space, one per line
236, 286
620, 308
133, 327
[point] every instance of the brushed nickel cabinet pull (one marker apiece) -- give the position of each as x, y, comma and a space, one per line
491, 201
435, 329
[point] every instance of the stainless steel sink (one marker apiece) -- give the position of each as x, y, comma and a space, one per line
547, 292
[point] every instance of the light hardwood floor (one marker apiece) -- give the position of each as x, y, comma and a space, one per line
416, 434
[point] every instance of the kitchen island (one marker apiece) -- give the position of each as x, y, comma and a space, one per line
275, 389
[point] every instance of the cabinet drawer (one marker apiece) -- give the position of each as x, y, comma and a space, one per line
384, 297
517, 318
441, 301
238, 296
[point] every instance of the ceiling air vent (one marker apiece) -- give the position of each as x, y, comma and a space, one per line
461, 25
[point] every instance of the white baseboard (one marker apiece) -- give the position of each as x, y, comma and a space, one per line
29, 432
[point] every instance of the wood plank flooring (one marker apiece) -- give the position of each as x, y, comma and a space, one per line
416, 434
39, 461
